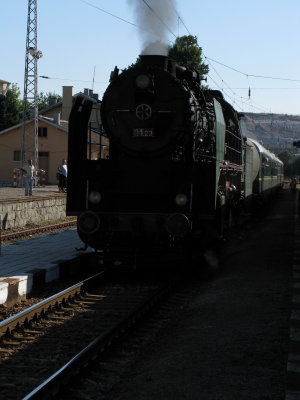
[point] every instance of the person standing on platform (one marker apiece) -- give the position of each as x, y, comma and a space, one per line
29, 172
63, 174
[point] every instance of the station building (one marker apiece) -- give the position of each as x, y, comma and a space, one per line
52, 139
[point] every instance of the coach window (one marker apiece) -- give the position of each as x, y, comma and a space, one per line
42, 131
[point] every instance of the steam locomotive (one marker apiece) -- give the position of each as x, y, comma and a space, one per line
172, 169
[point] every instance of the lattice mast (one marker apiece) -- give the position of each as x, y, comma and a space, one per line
29, 147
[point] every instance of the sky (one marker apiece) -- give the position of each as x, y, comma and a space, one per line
246, 43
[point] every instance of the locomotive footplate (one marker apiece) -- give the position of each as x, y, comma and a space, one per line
175, 224
122, 257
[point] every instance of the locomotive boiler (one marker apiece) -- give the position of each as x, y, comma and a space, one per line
172, 167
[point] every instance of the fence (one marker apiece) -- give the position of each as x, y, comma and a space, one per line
18, 178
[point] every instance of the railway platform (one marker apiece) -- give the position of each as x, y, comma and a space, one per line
28, 264
9, 193
20, 211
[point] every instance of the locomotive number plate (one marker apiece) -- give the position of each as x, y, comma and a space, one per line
143, 132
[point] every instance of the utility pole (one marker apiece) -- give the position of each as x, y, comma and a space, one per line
29, 147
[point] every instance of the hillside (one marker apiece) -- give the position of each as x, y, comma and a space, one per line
275, 131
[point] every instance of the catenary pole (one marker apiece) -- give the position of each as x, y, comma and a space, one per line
29, 143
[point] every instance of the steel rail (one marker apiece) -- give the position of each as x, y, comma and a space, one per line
38, 309
39, 229
51, 385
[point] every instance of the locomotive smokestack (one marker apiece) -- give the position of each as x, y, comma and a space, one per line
154, 60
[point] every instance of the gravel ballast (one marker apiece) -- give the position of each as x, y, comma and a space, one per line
230, 342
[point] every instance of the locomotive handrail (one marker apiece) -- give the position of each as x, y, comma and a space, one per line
234, 134
233, 149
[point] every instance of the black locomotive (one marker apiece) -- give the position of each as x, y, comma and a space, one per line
172, 167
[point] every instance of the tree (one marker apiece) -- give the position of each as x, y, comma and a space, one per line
296, 165
43, 99
11, 107
188, 53
286, 157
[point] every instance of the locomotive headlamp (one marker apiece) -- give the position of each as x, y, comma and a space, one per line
177, 225
181, 199
88, 222
95, 197
142, 81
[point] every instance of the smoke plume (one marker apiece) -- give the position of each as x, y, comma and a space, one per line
156, 19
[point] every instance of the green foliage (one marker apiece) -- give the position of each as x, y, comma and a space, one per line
133, 65
294, 166
11, 107
285, 156
188, 53
43, 99
291, 163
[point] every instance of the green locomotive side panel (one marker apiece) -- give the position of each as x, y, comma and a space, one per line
248, 169
220, 141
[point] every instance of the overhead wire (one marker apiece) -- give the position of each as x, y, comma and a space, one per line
158, 17
249, 100
222, 90
254, 76
216, 72
268, 88
123, 19
69, 79
235, 101
243, 100
109, 13
179, 17
206, 58
185, 25
222, 80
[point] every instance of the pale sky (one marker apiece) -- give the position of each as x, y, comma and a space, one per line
240, 38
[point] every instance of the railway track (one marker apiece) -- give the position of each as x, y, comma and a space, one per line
42, 347
38, 230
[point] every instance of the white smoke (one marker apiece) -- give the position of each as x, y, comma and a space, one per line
156, 19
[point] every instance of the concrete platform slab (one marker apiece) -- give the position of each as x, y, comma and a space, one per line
12, 193
26, 265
